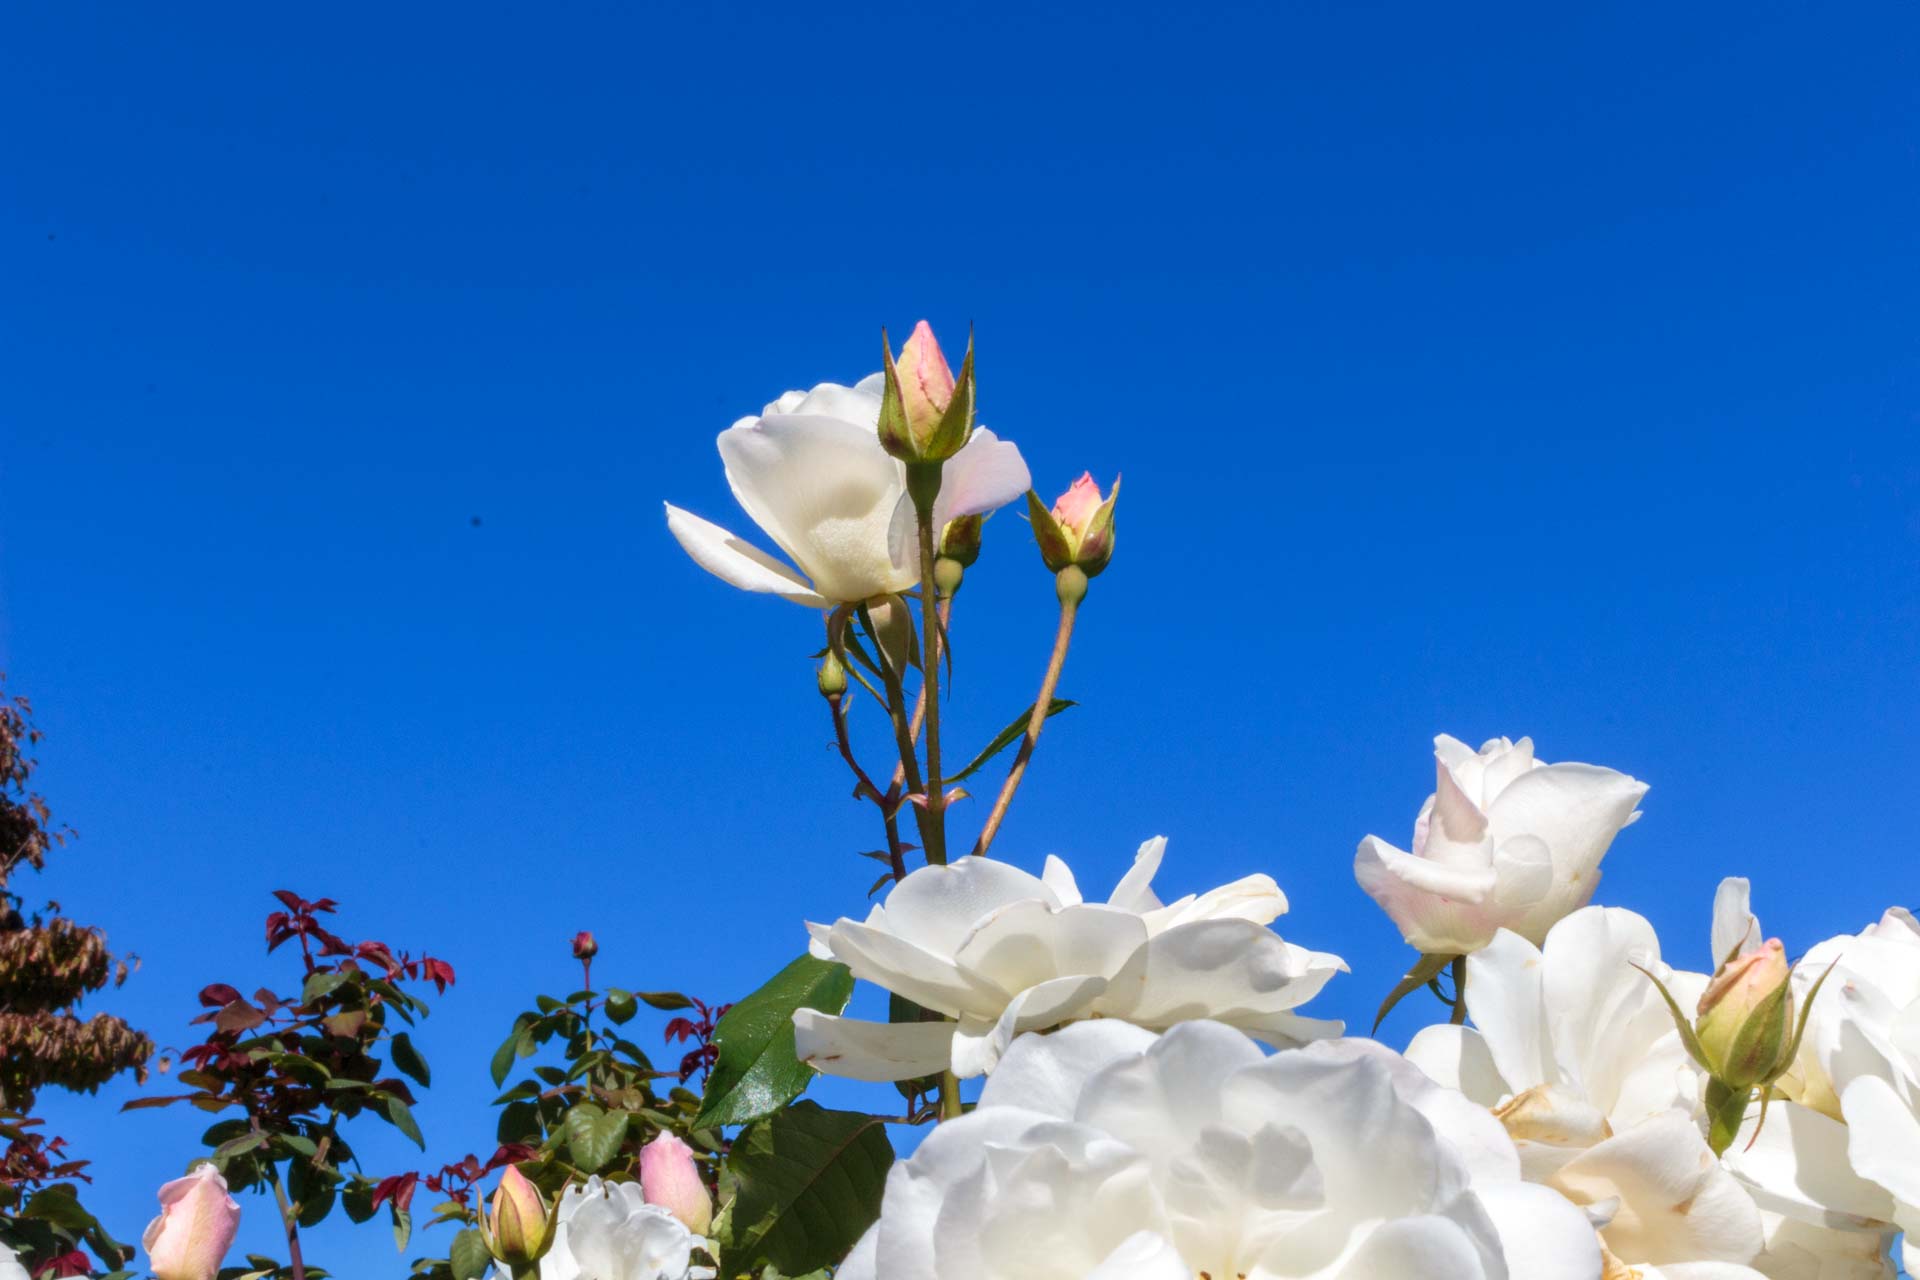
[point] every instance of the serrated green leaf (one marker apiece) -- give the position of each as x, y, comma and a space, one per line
757, 1071
593, 1135
808, 1183
1007, 737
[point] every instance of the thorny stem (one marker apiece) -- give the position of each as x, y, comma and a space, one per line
295, 1263
1069, 609
936, 825
902, 735
886, 801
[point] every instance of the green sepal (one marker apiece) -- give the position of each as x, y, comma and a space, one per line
1425, 970
1057, 550
1681, 1022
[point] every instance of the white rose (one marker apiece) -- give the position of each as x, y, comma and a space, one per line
1505, 842
1002, 952
811, 472
1577, 1053
11, 1268
1102, 1152
607, 1231
1849, 1158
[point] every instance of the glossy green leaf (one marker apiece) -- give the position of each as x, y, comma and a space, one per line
402, 1117
621, 1005
807, 1185
593, 1135
758, 1072
408, 1059
468, 1256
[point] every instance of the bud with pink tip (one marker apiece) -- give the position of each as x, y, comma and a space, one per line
517, 1220
584, 946
926, 413
1078, 530
669, 1178
190, 1238
1746, 1017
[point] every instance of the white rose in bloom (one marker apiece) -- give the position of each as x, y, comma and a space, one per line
1103, 1152
1003, 952
607, 1231
811, 472
1505, 842
1850, 1156
1578, 1057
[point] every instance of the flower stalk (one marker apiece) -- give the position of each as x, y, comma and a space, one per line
1070, 584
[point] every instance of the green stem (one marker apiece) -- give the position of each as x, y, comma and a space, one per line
950, 1108
1062, 637
935, 829
1459, 1015
902, 731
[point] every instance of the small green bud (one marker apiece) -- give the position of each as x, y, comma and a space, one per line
947, 576
960, 540
832, 677
1078, 530
1070, 584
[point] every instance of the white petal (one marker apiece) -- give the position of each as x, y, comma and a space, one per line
1458, 1058
1058, 876
979, 1045
933, 981
984, 476
1677, 1202
1503, 994
824, 490
1577, 809
1221, 969
1736, 931
1431, 1247
1145, 1255
1026, 943
1135, 892
861, 1263
939, 907
1047, 1073
1437, 907
739, 563
1542, 1236
1798, 1166
859, 1050
1884, 1137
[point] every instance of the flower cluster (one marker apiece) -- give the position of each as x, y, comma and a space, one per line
1122, 1089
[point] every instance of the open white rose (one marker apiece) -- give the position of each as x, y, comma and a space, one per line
1103, 1152
1505, 842
1847, 1156
1577, 1054
607, 1231
1002, 952
811, 472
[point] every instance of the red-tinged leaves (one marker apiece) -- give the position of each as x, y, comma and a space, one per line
218, 995
239, 1017
73, 1263
399, 1189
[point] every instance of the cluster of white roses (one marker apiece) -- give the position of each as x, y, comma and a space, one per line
1130, 1128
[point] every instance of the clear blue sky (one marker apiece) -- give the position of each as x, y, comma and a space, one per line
1494, 370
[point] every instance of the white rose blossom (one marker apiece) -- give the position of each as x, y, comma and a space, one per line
1002, 952
1505, 842
607, 1231
811, 472
1842, 1152
1104, 1152
1577, 1054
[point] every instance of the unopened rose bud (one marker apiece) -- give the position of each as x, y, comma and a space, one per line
832, 676
670, 1178
1078, 529
518, 1220
584, 947
1745, 1025
926, 414
960, 540
190, 1238
892, 630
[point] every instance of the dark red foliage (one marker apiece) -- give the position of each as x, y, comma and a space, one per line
32, 1159
67, 1264
700, 1030
457, 1181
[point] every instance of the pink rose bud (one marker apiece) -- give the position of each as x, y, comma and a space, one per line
518, 1220
926, 383
1075, 508
584, 947
190, 1238
669, 1178
1745, 1025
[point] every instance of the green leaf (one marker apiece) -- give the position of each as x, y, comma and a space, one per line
621, 1005
469, 1256
408, 1059
1007, 737
510, 1049
357, 1199
808, 1184
60, 1206
239, 1146
758, 1072
320, 985
402, 1117
593, 1135
665, 1001
402, 1226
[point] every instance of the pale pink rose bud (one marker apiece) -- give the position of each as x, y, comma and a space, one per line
669, 1178
190, 1238
1075, 508
518, 1219
926, 383
1746, 1017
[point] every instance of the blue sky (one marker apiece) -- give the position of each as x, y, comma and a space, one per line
1495, 371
